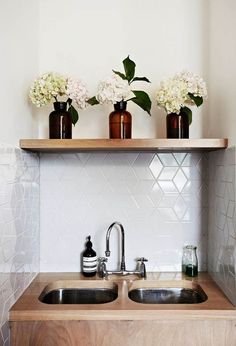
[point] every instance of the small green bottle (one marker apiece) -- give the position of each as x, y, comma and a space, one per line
191, 261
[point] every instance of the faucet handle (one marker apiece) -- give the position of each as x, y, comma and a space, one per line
102, 259
142, 259
142, 267
102, 270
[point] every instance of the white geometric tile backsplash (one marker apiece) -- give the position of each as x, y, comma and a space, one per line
222, 221
19, 228
160, 198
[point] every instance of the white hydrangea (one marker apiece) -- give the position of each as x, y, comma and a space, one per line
46, 87
113, 89
195, 83
77, 91
174, 92
171, 95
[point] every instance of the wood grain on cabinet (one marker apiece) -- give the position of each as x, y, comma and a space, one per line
124, 333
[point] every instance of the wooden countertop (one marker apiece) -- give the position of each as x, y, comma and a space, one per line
29, 308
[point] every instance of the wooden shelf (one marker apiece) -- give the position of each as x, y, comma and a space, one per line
56, 145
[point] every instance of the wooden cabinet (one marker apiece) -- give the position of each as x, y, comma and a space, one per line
124, 333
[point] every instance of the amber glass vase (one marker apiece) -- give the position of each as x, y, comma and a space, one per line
60, 122
120, 122
177, 125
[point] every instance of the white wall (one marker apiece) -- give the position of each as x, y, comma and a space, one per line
222, 70
19, 172
88, 39
18, 65
162, 37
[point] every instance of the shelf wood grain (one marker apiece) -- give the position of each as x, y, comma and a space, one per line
56, 145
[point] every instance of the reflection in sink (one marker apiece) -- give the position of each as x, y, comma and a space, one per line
79, 295
188, 293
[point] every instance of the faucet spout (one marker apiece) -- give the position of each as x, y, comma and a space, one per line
122, 232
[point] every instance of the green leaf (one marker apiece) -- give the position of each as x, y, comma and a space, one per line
198, 100
129, 67
142, 100
93, 101
144, 79
74, 114
120, 74
188, 112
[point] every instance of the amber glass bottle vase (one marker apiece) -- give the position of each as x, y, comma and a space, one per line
177, 125
60, 122
120, 122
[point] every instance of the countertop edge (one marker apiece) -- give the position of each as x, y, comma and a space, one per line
122, 315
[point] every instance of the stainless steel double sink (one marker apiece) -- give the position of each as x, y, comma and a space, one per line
143, 292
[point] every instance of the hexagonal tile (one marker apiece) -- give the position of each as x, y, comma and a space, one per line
180, 180
168, 173
180, 207
168, 159
155, 167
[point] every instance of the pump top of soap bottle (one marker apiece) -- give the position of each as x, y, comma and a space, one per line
89, 252
89, 244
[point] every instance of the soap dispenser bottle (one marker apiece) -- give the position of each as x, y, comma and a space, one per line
89, 266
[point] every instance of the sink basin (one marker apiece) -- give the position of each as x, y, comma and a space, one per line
168, 295
79, 293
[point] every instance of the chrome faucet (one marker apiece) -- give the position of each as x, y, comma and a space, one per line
108, 252
103, 272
